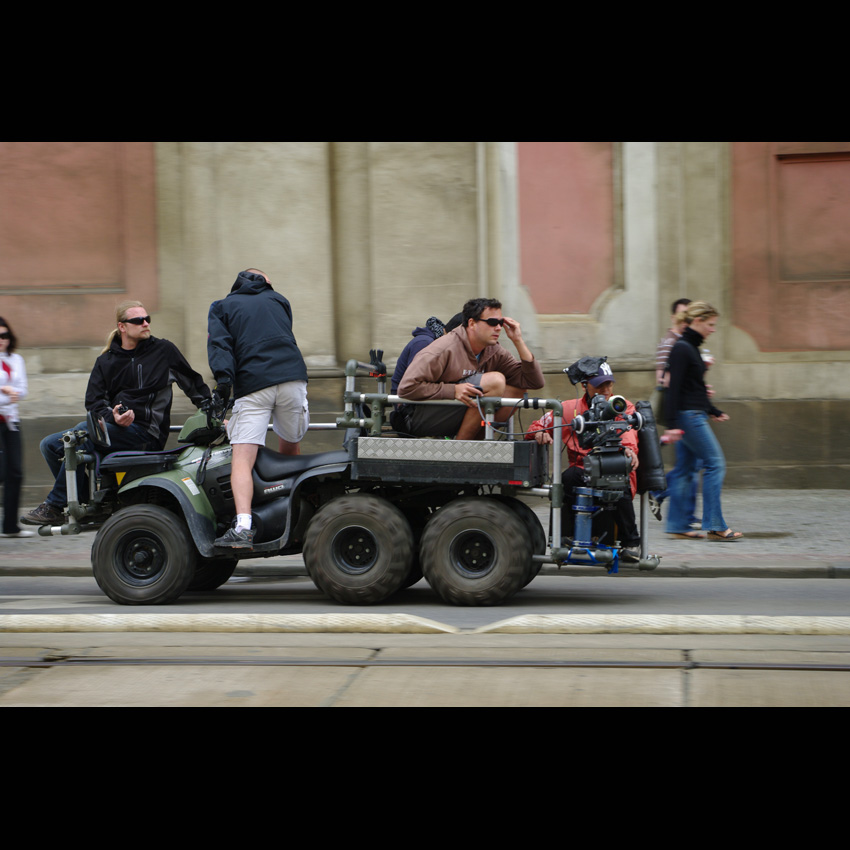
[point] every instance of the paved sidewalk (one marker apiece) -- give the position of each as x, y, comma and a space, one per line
793, 534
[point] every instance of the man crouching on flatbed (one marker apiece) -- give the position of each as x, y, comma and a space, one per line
465, 365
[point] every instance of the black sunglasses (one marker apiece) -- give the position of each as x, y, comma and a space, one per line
6, 335
139, 320
494, 323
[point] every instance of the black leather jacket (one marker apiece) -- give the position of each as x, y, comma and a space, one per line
141, 379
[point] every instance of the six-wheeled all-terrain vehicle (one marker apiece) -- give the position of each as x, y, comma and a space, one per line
374, 517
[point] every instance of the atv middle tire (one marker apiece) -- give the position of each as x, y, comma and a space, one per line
359, 549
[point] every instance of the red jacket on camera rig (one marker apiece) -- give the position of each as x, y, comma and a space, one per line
572, 410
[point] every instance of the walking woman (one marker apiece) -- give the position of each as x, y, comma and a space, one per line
13, 387
689, 409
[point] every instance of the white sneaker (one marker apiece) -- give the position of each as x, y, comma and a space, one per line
21, 533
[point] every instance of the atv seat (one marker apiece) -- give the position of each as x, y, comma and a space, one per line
123, 461
271, 466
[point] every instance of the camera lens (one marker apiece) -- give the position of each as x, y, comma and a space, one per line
619, 405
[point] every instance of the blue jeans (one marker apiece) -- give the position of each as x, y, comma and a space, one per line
53, 451
698, 444
673, 475
131, 439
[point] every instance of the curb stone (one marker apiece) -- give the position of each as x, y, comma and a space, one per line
403, 624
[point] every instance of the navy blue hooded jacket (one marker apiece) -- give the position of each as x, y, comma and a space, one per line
250, 338
422, 338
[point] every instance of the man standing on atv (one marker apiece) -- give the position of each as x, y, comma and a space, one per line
130, 389
253, 353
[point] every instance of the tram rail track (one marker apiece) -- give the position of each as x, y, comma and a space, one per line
477, 663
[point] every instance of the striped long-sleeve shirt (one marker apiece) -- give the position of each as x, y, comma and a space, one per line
662, 355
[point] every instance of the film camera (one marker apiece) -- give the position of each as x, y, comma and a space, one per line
601, 430
606, 467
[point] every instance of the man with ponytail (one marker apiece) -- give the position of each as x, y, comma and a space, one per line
130, 389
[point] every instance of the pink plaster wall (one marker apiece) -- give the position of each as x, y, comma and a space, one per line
791, 250
77, 236
566, 203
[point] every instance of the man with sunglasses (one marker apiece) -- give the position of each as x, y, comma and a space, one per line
130, 389
466, 365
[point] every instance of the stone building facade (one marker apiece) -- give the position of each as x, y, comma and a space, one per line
586, 243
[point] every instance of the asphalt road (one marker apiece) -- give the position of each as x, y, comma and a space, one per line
798, 535
547, 595
759, 623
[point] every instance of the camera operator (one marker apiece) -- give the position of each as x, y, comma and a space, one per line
600, 383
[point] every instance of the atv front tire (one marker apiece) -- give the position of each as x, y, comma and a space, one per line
144, 555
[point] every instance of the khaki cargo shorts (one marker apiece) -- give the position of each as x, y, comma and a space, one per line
286, 406
438, 420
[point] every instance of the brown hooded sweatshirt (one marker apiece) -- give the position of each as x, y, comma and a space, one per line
436, 369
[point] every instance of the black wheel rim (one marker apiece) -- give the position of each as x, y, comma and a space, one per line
355, 550
140, 558
473, 554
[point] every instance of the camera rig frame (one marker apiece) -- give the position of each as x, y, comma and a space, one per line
602, 426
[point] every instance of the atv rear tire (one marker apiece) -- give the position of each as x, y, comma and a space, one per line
535, 533
475, 551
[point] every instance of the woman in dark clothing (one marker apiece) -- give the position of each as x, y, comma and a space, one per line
13, 388
689, 410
